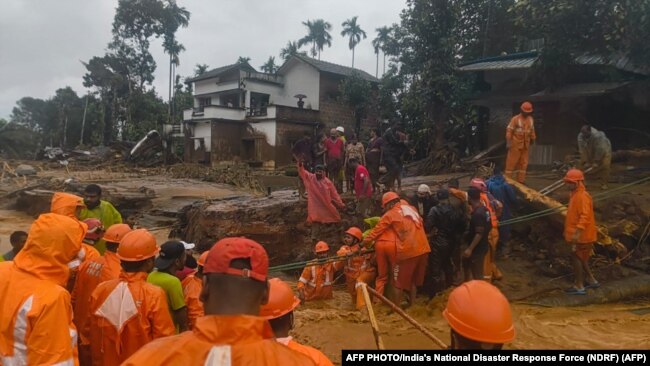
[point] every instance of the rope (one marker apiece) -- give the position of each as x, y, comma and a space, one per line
315, 262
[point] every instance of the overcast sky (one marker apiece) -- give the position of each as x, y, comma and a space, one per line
42, 42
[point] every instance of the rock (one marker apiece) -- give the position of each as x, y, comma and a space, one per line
24, 169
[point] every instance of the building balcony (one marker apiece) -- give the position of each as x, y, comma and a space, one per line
266, 78
214, 112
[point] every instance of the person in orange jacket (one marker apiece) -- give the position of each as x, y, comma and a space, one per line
36, 325
317, 278
520, 134
385, 243
358, 268
490, 269
279, 312
192, 286
580, 232
231, 332
479, 316
128, 312
91, 274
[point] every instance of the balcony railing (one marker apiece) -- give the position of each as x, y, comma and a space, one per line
214, 111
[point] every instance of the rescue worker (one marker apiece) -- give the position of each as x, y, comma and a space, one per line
479, 316
231, 332
504, 193
322, 201
520, 134
317, 277
596, 153
279, 312
128, 312
170, 260
404, 229
36, 319
358, 268
17, 240
385, 245
97, 208
479, 227
423, 200
192, 286
443, 224
580, 232
91, 274
494, 207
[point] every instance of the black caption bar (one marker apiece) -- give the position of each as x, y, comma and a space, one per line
548, 357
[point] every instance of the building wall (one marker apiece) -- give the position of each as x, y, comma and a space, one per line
226, 141
287, 135
300, 79
334, 112
267, 129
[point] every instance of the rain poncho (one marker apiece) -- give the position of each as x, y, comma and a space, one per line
321, 198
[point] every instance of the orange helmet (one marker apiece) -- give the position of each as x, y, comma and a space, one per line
388, 197
137, 245
202, 258
478, 311
355, 232
321, 246
281, 300
479, 184
95, 229
574, 176
116, 232
527, 107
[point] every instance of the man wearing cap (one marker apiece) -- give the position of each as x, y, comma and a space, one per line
192, 286
91, 274
317, 277
231, 332
423, 200
128, 312
520, 133
279, 312
171, 259
322, 200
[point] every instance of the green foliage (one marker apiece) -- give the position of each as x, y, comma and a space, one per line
17, 141
318, 35
291, 49
354, 32
269, 67
200, 69
356, 91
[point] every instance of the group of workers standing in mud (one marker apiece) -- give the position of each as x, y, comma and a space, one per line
81, 287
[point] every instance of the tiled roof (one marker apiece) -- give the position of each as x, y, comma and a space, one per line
220, 70
331, 68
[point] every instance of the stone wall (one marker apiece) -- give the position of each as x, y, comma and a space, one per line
287, 135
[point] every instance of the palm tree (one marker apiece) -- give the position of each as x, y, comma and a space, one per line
318, 35
380, 42
200, 69
173, 18
291, 49
243, 60
354, 31
269, 67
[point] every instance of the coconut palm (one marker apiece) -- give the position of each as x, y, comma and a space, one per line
173, 17
291, 49
380, 42
354, 31
318, 35
243, 60
269, 67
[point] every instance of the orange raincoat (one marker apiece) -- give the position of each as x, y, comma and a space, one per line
358, 270
317, 280
232, 340
580, 215
91, 274
317, 356
66, 204
490, 269
192, 287
321, 198
519, 134
127, 313
36, 319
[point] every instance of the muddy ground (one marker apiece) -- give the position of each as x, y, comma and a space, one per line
534, 272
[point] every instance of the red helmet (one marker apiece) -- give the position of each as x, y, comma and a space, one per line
355, 232
574, 176
321, 246
388, 197
281, 300
479, 184
95, 229
527, 107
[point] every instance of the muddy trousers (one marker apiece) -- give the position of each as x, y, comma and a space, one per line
440, 269
490, 269
386, 253
354, 287
517, 162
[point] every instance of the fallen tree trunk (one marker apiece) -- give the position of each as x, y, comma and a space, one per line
541, 202
623, 155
